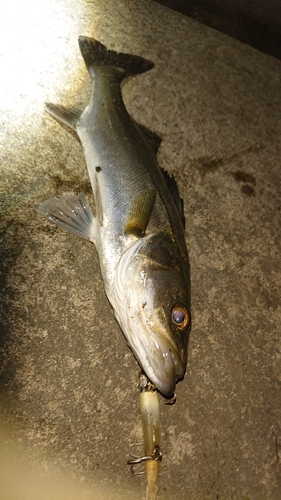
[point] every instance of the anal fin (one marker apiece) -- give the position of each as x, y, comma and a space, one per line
72, 213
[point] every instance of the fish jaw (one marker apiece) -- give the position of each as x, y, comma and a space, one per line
163, 362
145, 291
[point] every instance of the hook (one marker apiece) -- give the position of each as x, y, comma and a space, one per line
156, 455
130, 448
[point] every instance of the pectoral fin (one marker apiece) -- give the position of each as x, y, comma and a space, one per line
72, 213
140, 212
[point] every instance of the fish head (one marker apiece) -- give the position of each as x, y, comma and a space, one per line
152, 289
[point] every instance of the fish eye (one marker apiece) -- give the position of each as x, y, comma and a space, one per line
180, 317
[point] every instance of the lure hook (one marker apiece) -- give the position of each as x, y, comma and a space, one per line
131, 453
136, 459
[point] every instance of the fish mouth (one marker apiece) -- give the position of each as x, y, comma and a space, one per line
164, 365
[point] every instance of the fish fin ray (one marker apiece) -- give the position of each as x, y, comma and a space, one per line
140, 212
96, 54
72, 213
174, 190
68, 116
152, 139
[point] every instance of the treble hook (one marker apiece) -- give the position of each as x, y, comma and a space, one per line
130, 450
156, 455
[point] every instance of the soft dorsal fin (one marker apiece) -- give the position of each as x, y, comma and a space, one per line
174, 190
152, 139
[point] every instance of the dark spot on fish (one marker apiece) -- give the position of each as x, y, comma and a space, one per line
248, 190
240, 176
98, 169
144, 304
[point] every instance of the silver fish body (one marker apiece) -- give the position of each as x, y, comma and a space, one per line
138, 228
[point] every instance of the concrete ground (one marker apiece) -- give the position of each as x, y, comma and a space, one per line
68, 381
255, 22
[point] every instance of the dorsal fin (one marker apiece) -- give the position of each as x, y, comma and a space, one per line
152, 139
174, 190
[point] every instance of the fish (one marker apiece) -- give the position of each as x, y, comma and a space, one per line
138, 225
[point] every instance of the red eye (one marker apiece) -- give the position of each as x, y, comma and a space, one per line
180, 317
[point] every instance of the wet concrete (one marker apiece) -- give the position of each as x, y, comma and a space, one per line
68, 380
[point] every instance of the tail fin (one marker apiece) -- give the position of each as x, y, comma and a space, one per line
96, 54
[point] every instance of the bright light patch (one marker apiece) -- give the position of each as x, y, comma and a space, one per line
35, 42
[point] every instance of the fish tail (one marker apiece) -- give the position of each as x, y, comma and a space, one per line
96, 54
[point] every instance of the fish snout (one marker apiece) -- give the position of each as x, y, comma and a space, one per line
168, 367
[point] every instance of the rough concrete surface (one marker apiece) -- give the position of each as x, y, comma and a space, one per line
68, 380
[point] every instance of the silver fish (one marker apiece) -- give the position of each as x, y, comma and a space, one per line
138, 227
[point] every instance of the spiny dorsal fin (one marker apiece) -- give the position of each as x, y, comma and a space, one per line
174, 190
96, 54
140, 212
